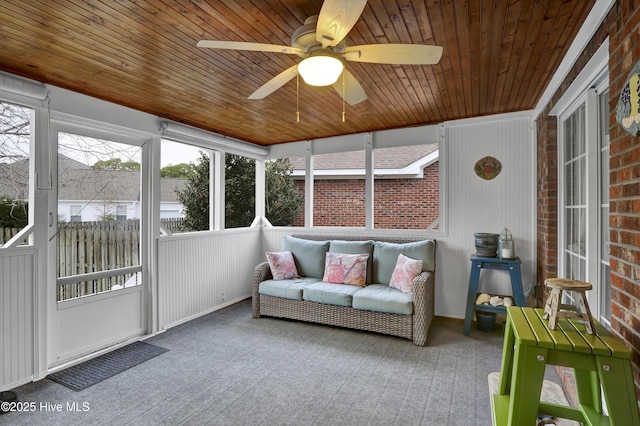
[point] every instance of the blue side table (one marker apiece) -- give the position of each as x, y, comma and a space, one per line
477, 264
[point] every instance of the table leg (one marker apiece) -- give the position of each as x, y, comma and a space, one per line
588, 389
619, 391
526, 384
516, 284
507, 359
474, 277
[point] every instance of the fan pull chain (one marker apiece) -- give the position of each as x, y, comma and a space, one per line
343, 108
297, 97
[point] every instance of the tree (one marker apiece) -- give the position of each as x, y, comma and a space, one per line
239, 191
15, 125
182, 170
116, 164
195, 196
13, 213
283, 201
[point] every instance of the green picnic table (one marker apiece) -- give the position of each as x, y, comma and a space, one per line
602, 366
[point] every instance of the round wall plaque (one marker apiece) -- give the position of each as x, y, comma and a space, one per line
487, 168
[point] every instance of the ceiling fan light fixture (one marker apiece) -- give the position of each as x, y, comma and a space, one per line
320, 70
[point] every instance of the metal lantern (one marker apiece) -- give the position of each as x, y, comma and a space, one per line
505, 245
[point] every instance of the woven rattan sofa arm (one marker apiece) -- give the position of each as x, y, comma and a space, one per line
422, 306
262, 272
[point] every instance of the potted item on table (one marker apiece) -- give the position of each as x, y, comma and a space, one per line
486, 244
506, 248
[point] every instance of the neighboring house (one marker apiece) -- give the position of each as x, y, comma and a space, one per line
406, 192
86, 194
170, 206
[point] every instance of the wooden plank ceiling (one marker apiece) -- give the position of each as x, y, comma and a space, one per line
498, 57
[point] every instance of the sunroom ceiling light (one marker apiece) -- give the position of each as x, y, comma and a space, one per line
320, 70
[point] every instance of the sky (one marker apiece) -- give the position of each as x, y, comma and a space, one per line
90, 150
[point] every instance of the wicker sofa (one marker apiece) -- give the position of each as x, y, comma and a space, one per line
411, 322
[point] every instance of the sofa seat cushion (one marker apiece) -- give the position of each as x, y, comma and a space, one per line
331, 294
382, 298
288, 289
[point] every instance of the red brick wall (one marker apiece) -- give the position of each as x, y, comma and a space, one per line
338, 202
407, 203
547, 208
624, 193
398, 203
623, 28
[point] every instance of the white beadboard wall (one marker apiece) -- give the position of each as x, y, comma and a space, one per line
477, 205
200, 273
16, 317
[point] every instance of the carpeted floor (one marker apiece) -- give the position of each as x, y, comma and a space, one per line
227, 368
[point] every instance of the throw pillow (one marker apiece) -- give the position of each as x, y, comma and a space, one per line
345, 268
404, 273
282, 265
355, 247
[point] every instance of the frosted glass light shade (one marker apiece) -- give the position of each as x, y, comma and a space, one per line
320, 70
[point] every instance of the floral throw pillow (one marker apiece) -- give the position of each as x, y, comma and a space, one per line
345, 268
405, 271
282, 265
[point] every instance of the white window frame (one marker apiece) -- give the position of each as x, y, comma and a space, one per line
75, 211
119, 212
34, 96
604, 204
592, 81
430, 134
217, 146
63, 123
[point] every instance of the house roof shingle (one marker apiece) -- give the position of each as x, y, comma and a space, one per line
78, 181
384, 158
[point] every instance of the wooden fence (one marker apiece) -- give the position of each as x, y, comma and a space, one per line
85, 247
6, 234
93, 247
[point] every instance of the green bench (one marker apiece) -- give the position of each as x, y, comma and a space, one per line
602, 366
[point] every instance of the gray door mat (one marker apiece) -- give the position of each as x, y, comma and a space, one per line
95, 370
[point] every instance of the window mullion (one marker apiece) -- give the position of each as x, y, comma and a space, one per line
591, 191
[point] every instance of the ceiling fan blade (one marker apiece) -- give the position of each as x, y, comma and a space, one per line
275, 83
336, 19
401, 54
353, 91
242, 45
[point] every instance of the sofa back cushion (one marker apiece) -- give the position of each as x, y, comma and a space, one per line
355, 247
308, 255
385, 256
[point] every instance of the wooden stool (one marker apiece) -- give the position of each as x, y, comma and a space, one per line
554, 308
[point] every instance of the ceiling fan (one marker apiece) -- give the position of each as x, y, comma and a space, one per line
320, 41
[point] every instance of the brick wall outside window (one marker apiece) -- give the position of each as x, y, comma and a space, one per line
398, 203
